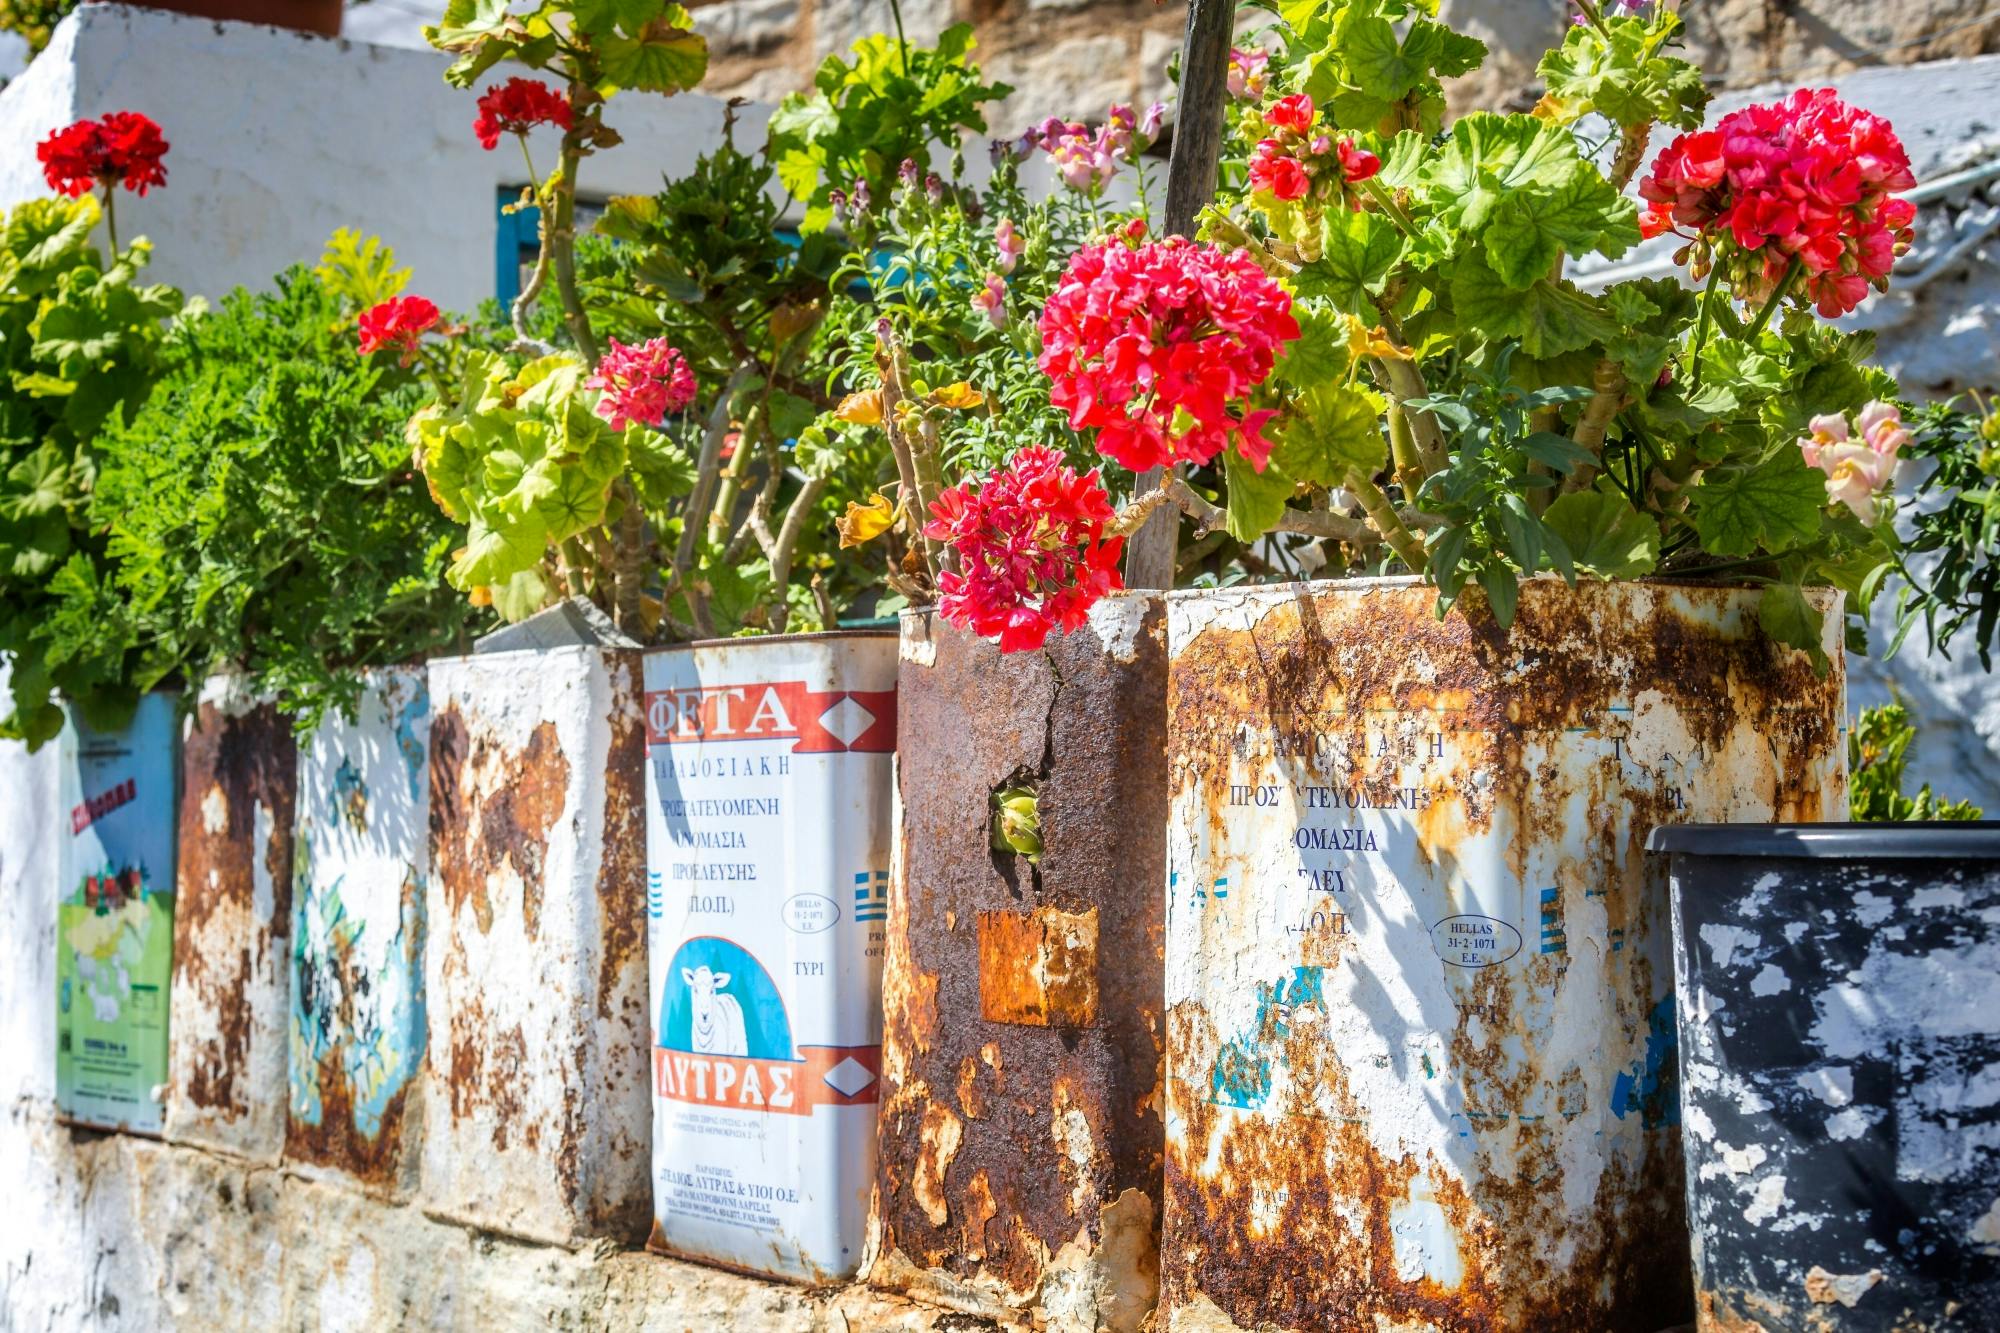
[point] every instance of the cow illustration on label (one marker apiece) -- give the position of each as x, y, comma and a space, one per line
718, 1019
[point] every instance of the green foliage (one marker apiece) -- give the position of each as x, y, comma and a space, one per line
263, 512
522, 459
360, 270
884, 103
1613, 67
1515, 423
83, 342
1877, 753
603, 45
34, 20
1954, 535
1375, 65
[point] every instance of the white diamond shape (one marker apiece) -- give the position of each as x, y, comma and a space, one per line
847, 720
849, 1077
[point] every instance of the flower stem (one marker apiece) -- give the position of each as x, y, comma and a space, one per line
1701, 326
111, 217
1381, 195
1778, 294
1383, 518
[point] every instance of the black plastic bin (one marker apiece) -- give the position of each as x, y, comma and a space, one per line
1839, 1008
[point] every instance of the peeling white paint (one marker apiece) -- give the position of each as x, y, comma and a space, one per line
1851, 1123
1872, 909
1986, 1231
1118, 620
1724, 941
1771, 980
1767, 1201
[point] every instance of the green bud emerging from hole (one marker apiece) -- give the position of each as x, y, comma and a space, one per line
1017, 824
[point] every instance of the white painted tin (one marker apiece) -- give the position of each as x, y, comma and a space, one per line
768, 813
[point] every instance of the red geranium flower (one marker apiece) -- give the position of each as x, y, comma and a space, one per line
1356, 164
124, 147
517, 106
1294, 113
1808, 179
1157, 347
1277, 173
1031, 549
400, 322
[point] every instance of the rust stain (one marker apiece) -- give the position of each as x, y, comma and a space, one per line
1029, 1041
492, 811
1296, 1215
621, 876
231, 767
1038, 968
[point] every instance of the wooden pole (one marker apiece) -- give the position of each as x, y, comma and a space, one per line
1191, 177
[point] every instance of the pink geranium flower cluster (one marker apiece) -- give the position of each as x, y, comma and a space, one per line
641, 384
1087, 159
1857, 462
1031, 549
1806, 179
1295, 155
1158, 345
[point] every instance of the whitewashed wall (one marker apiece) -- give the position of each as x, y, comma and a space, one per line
277, 138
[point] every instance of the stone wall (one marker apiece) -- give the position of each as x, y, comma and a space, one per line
1071, 57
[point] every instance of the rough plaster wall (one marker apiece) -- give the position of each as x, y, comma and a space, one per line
115, 1233
278, 138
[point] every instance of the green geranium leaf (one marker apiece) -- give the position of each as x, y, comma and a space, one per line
1766, 508
1361, 249
1255, 500
1319, 355
1784, 613
664, 59
1548, 318
1605, 535
1582, 214
1336, 429
1490, 157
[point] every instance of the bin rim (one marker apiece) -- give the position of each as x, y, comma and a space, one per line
1932, 838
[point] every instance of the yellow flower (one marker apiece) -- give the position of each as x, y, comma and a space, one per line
960, 395
1363, 341
863, 523
861, 409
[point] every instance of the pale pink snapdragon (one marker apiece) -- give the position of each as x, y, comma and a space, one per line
991, 301
1856, 469
1247, 72
1008, 241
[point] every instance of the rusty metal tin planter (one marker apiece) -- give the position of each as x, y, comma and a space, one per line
232, 924
1421, 1023
768, 815
1020, 1139
357, 962
1840, 1073
536, 1113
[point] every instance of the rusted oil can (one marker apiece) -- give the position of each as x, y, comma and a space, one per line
357, 961
1019, 1173
232, 924
535, 1108
768, 793
1419, 977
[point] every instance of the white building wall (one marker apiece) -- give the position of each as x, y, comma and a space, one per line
277, 138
